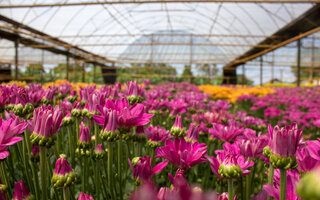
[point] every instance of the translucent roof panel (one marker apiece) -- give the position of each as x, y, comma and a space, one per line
217, 32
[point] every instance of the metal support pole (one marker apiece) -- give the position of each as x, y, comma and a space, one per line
261, 72
243, 75
298, 62
191, 55
83, 72
312, 59
67, 66
94, 73
16, 58
272, 68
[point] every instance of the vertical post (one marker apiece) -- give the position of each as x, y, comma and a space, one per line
191, 55
243, 75
312, 59
272, 68
16, 58
42, 65
67, 66
261, 72
151, 56
94, 73
83, 72
298, 62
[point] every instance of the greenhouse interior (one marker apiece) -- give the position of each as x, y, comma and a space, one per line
160, 99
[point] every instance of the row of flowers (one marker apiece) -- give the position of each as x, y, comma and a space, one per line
232, 93
169, 141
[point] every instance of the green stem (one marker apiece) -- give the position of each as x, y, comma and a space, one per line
119, 166
25, 163
34, 174
283, 184
270, 175
241, 187
248, 186
77, 127
86, 174
96, 129
4, 177
252, 175
83, 175
71, 149
270, 178
66, 193
230, 189
43, 172
58, 143
97, 179
110, 175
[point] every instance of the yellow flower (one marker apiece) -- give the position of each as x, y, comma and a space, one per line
232, 93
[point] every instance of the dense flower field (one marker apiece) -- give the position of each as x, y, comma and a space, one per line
167, 142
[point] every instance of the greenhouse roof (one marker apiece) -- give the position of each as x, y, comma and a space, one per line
152, 31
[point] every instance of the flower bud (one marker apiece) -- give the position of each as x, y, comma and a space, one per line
72, 99
98, 152
21, 192
109, 136
76, 113
153, 144
309, 186
18, 110
9, 107
83, 103
279, 162
85, 113
63, 174
177, 129
84, 196
134, 161
35, 157
230, 171
266, 152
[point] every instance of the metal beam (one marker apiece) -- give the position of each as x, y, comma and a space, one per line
16, 32
261, 70
67, 67
16, 58
308, 23
149, 2
298, 62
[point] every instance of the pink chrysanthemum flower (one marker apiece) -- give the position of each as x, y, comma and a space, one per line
21, 192
229, 162
142, 170
84, 135
226, 133
156, 135
177, 129
84, 196
46, 121
283, 144
8, 130
63, 173
308, 157
181, 153
292, 180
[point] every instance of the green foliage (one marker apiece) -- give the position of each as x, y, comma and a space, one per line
156, 73
246, 80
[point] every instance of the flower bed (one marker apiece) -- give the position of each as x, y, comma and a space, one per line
167, 142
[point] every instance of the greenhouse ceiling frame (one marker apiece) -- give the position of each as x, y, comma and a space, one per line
271, 42
301, 27
19, 33
151, 2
